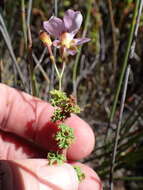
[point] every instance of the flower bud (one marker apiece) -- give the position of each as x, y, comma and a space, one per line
45, 38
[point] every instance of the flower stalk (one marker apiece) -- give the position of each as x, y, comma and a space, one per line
64, 30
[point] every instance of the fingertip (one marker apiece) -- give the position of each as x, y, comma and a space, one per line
91, 181
37, 174
85, 139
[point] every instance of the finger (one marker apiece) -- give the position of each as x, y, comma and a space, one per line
36, 174
29, 117
85, 140
91, 181
14, 147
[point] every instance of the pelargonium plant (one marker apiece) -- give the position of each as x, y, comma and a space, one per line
64, 31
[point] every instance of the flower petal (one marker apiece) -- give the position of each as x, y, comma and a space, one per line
56, 43
71, 52
54, 26
72, 20
79, 41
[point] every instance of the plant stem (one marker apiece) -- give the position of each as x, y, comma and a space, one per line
24, 26
7, 39
61, 76
33, 86
55, 66
52, 58
125, 61
29, 12
40, 67
118, 128
114, 39
74, 77
130, 178
56, 7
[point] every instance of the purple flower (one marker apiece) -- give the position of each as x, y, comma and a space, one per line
65, 30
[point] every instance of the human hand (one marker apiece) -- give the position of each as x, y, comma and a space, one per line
24, 145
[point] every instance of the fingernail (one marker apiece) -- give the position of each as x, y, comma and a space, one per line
59, 177
46, 180
6, 182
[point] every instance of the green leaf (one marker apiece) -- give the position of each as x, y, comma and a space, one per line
55, 158
65, 136
64, 105
80, 174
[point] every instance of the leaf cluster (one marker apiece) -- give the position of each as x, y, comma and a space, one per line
64, 105
65, 136
55, 158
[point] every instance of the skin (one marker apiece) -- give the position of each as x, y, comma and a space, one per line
23, 164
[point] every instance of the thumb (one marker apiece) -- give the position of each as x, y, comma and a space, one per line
36, 174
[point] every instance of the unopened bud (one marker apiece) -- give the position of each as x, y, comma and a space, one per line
45, 38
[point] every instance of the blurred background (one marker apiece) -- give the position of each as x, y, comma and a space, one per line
106, 75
